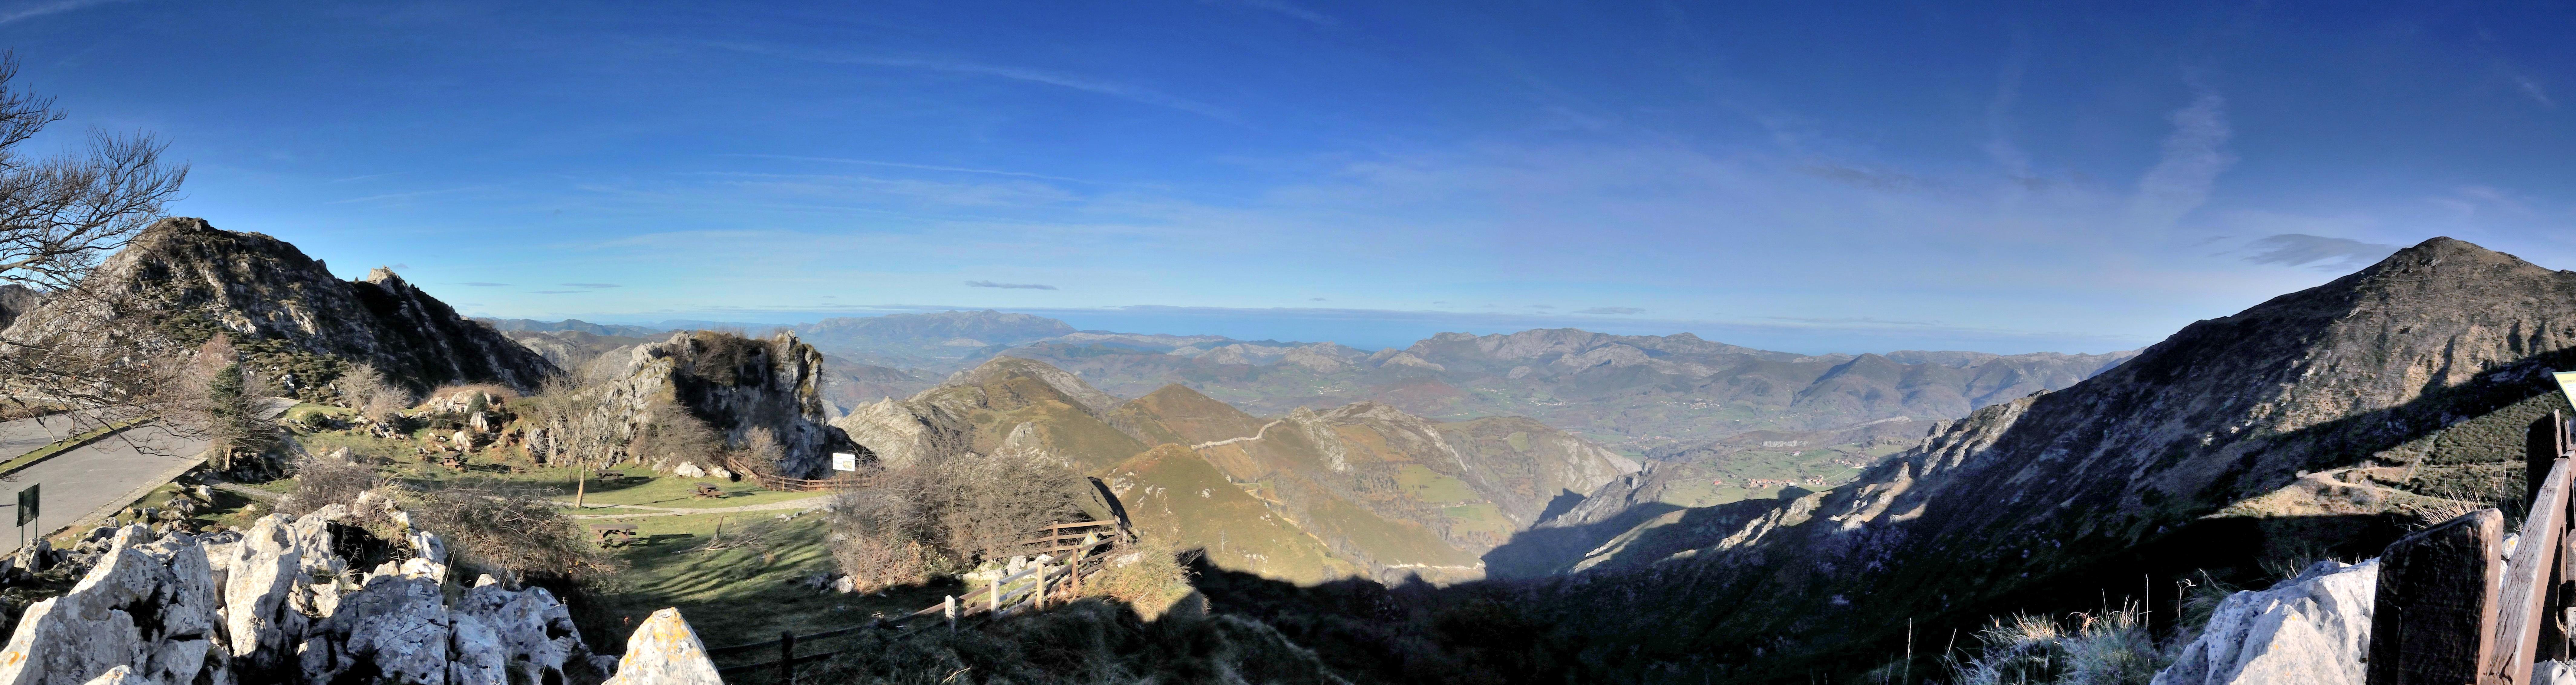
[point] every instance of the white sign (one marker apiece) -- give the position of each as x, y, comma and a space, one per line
844, 461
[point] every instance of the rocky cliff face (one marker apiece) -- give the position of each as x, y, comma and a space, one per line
733, 384
2324, 383
286, 313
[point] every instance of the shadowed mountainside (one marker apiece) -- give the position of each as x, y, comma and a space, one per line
2325, 404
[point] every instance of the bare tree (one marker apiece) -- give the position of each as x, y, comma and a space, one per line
60, 215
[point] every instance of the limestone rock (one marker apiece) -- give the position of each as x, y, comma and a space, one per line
276, 603
688, 470
120, 675
664, 651
129, 611
2312, 628
734, 383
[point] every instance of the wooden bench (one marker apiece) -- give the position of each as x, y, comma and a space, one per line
622, 533
708, 490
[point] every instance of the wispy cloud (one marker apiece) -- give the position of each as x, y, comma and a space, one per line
1124, 91
1613, 311
2325, 253
480, 284
1015, 286
593, 286
2194, 154
924, 167
558, 292
16, 14
2531, 87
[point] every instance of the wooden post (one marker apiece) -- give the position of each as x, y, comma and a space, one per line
994, 599
952, 613
2523, 606
787, 657
1042, 591
2435, 619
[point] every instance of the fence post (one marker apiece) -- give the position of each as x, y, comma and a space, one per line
2523, 606
952, 613
2435, 619
993, 598
787, 657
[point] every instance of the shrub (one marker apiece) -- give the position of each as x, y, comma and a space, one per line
922, 520
322, 481
671, 434
365, 389
513, 531
1147, 575
2113, 648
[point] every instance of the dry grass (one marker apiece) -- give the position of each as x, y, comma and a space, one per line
2111, 648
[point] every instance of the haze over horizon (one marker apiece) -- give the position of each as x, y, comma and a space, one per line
1808, 179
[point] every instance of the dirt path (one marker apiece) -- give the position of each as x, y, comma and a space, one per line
815, 502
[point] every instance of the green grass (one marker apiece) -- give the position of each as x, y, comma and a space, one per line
1432, 486
65, 445
744, 594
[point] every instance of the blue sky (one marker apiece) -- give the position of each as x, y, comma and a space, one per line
1801, 176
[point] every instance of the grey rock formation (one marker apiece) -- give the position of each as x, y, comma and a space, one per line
665, 651
279, 604
2313, 628
734, 384
291, 317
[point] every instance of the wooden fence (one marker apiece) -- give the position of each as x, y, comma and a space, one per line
1033, 588
2455, 607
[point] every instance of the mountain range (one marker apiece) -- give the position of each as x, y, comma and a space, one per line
1634, 393
1361, 489
2322, 422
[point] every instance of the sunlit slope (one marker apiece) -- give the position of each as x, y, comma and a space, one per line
1171, 491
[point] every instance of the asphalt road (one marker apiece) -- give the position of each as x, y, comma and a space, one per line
102, 475
23, 436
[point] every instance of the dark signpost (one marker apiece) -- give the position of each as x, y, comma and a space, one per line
27, 500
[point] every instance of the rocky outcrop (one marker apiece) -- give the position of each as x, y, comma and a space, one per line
665, 651
289, 316
2312, 628
17, 299
292, 600
732, 383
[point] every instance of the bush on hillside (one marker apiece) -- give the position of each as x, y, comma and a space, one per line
671, 435
920, 521
365, 389
322, 481
2113, 648
511, 531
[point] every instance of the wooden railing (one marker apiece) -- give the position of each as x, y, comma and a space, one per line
2454, 607
1030, 589
780, 483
